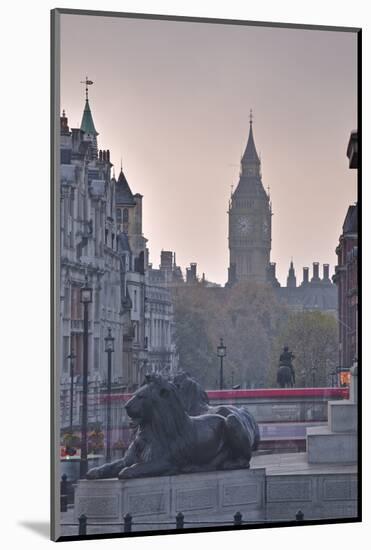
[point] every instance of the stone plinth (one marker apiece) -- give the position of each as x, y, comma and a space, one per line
342, 416
353, 390
208, 496
274, 489
320, 491
337, 443
325, 446
318, 496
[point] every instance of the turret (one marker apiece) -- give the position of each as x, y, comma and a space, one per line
305, 275
315, 278
87, 123
291, 279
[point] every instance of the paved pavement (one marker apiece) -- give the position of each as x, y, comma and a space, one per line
290, 463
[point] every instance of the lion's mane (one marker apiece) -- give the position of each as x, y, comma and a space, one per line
192, 395
168, 428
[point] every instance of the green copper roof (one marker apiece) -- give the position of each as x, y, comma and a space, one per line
87, 123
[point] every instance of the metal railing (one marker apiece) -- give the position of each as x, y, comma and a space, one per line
180, 522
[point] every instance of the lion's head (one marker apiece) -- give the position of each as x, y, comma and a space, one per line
155, 393
157, 407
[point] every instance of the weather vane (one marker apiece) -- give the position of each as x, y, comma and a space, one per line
87, 83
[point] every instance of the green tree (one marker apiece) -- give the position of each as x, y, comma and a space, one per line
191, 333
313, 338
246, 316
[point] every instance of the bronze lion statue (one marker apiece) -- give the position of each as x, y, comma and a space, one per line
168, 441
195, 401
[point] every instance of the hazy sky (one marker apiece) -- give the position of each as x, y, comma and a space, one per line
173, 99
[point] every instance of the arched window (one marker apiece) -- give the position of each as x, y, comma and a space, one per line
125, 215
118, 215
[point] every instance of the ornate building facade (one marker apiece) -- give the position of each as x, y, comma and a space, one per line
102, 242
346, 274
316, 293
149, 297
88, 251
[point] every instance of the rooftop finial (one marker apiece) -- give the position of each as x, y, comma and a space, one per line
87, 83
63, 113
251, 117
121, 163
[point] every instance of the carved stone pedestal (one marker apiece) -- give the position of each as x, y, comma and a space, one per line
209, 496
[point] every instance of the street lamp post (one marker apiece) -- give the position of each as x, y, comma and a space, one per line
221, 352
71, 357
86, 298
333, 375
109, 349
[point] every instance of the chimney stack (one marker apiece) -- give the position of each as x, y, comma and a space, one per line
191, 273
166, 260
315, 271
326, 272
64, 123
305, 275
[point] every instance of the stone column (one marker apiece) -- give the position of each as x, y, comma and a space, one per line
353, 388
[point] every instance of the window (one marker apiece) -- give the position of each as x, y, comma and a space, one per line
136, 331
125, 215
76, 306
96, 305
118, 216
135, 301
66, 351
66, 303
96, 353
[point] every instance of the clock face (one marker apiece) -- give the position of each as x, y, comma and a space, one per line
243, 225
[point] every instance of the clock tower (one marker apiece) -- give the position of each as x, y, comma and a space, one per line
249, 221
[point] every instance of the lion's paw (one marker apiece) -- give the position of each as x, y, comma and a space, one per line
94, 473
126, 473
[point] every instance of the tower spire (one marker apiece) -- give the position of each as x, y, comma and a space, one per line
87, 83
249, 217
291, 279
250, 155
87, 123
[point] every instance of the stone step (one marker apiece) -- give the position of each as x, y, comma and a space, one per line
327, 447
342, 416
